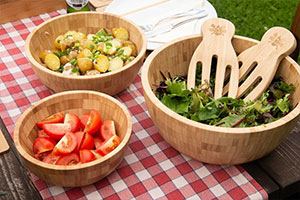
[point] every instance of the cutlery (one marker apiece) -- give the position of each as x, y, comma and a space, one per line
168, 27
151, 26
216, 43
263, 59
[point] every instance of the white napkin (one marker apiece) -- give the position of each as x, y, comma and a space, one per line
150, 14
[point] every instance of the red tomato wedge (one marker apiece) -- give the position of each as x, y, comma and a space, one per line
94, 122
66, 145
107, 129
51, 159
74, 121
86, 156
71, 159
79, 138
88, 142
56, 131
41, 133
41, 156
55, 118
97, 142
43, 144
97, 155
109, 145
84, 119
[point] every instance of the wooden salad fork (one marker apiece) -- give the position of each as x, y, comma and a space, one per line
260, 62
217, 34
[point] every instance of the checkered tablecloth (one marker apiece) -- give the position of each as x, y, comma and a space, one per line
151, 168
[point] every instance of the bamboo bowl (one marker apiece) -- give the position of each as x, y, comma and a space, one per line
210, 144
78, 102
111, 83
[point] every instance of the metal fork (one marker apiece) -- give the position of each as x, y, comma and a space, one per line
151, 26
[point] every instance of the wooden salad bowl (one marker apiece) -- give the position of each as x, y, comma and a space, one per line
77, 102
211, 144
43, 37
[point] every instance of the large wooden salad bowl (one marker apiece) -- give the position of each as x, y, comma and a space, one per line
43, 37
211, 144
77, 102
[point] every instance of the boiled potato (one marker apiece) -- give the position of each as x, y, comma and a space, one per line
43, 55
87, 44
84, 64
67, 58
132, 46
101, 63
52, 62
111, 47
92, 72
85, 53
58, 40
115, 63
125, 52
129, 60
91, 36
120, 33
78, 36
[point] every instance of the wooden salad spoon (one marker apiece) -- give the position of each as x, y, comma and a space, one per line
260, 62
217, 34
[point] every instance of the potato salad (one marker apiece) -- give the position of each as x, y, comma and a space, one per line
76, 53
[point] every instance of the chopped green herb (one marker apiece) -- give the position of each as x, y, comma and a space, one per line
119, 53
73, 62
58, 41
75, 70
61, 69
57, 54
101, 33
108, 45
92, 46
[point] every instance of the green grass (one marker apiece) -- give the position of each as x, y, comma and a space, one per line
252, 18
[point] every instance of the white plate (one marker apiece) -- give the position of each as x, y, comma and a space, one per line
145, 16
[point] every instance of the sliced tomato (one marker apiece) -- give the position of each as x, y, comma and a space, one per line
96, 154
86, 156
94, 122
71, 159
66, 145
50, 158
109, 145
41, 156
79, 138
56, 131
107, 129
74, 121
41, 133
98, 141
84, 119
55, 118
88, 142
43, 144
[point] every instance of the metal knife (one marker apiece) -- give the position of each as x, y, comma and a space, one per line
168, 27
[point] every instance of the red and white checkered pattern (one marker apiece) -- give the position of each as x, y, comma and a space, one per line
151, 169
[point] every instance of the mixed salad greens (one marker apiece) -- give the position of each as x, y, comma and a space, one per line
198, 105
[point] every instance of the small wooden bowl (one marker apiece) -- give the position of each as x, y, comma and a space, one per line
78, 102
211, 144
42, 38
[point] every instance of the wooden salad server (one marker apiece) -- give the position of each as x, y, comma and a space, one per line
217, 34
264, 59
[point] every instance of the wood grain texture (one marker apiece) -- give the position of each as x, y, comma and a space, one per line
217, 35
210, 144
42, 38
15, 178
3, 143
262, 61
78, 102
11, 10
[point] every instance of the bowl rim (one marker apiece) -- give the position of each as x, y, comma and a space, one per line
36, 64
188, 122
39, 163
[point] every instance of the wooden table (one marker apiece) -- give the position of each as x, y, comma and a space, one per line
278, 173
